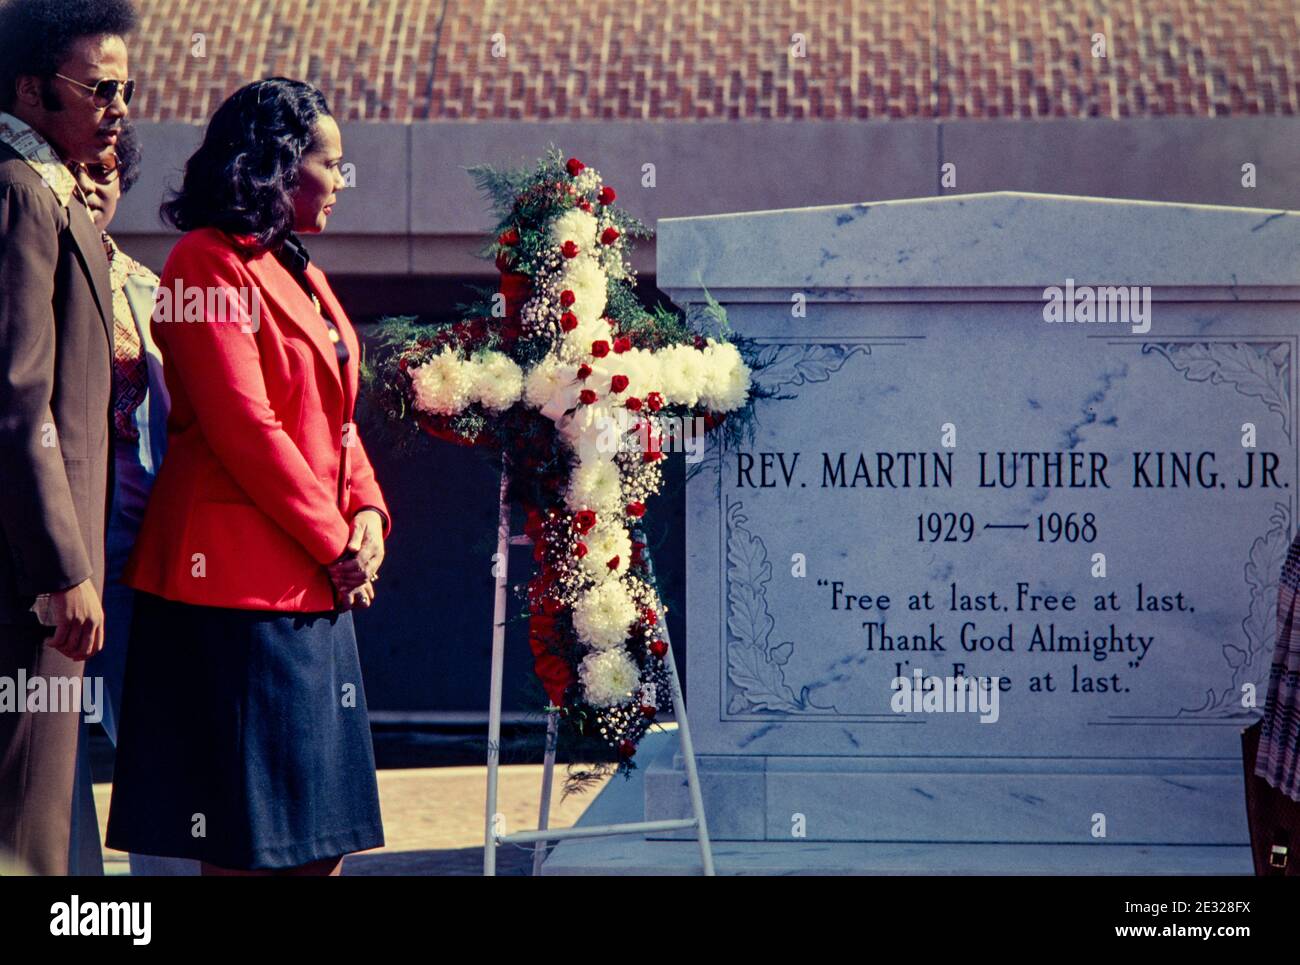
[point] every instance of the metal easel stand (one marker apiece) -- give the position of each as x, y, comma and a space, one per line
542, 836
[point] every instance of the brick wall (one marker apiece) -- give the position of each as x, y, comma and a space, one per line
404, 60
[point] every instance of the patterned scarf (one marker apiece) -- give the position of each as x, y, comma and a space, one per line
36, 151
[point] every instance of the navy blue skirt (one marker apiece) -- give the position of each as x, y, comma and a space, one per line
244, 739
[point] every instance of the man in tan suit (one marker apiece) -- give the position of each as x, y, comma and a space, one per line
63, 92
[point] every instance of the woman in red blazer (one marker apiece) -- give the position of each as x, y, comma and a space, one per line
244, 737
269, 472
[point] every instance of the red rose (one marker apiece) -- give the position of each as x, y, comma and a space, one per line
516, 288
583, 520
584, 370
609, 236
402, 363
610, 320
607, 195
542, 627
570, 250
651, 618
613, 563
600, 348
533, 523
636, 508
622, 344
655, 401
652, 447
618, 383
574, 167
580, 549
700, 343
553, 671
567, 298
634, 404
585, 205
659, 648
568, 321
626, 749
587, 397
508, 237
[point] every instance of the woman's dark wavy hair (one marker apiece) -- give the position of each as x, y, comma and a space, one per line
242, 177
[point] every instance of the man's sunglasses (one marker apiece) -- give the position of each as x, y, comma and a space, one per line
105, 91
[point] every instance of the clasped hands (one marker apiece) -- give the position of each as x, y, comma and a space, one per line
356, 571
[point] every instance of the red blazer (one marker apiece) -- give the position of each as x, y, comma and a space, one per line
260, 482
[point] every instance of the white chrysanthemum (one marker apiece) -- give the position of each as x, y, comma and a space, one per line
604, 615
683, 374
498, 381
588, 331
576, 345
606, 540
594, 484
545, 379
641, 369
727, 385
609, 677
442, 385
586, 279
577, 226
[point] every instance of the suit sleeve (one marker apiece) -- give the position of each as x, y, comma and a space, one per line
365, 488
36, 509
219, 365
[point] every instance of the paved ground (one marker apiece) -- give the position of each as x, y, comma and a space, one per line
433, 820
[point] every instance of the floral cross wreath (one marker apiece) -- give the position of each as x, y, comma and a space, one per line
564, 372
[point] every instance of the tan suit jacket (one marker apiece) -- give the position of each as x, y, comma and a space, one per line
56, 350
56, 329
